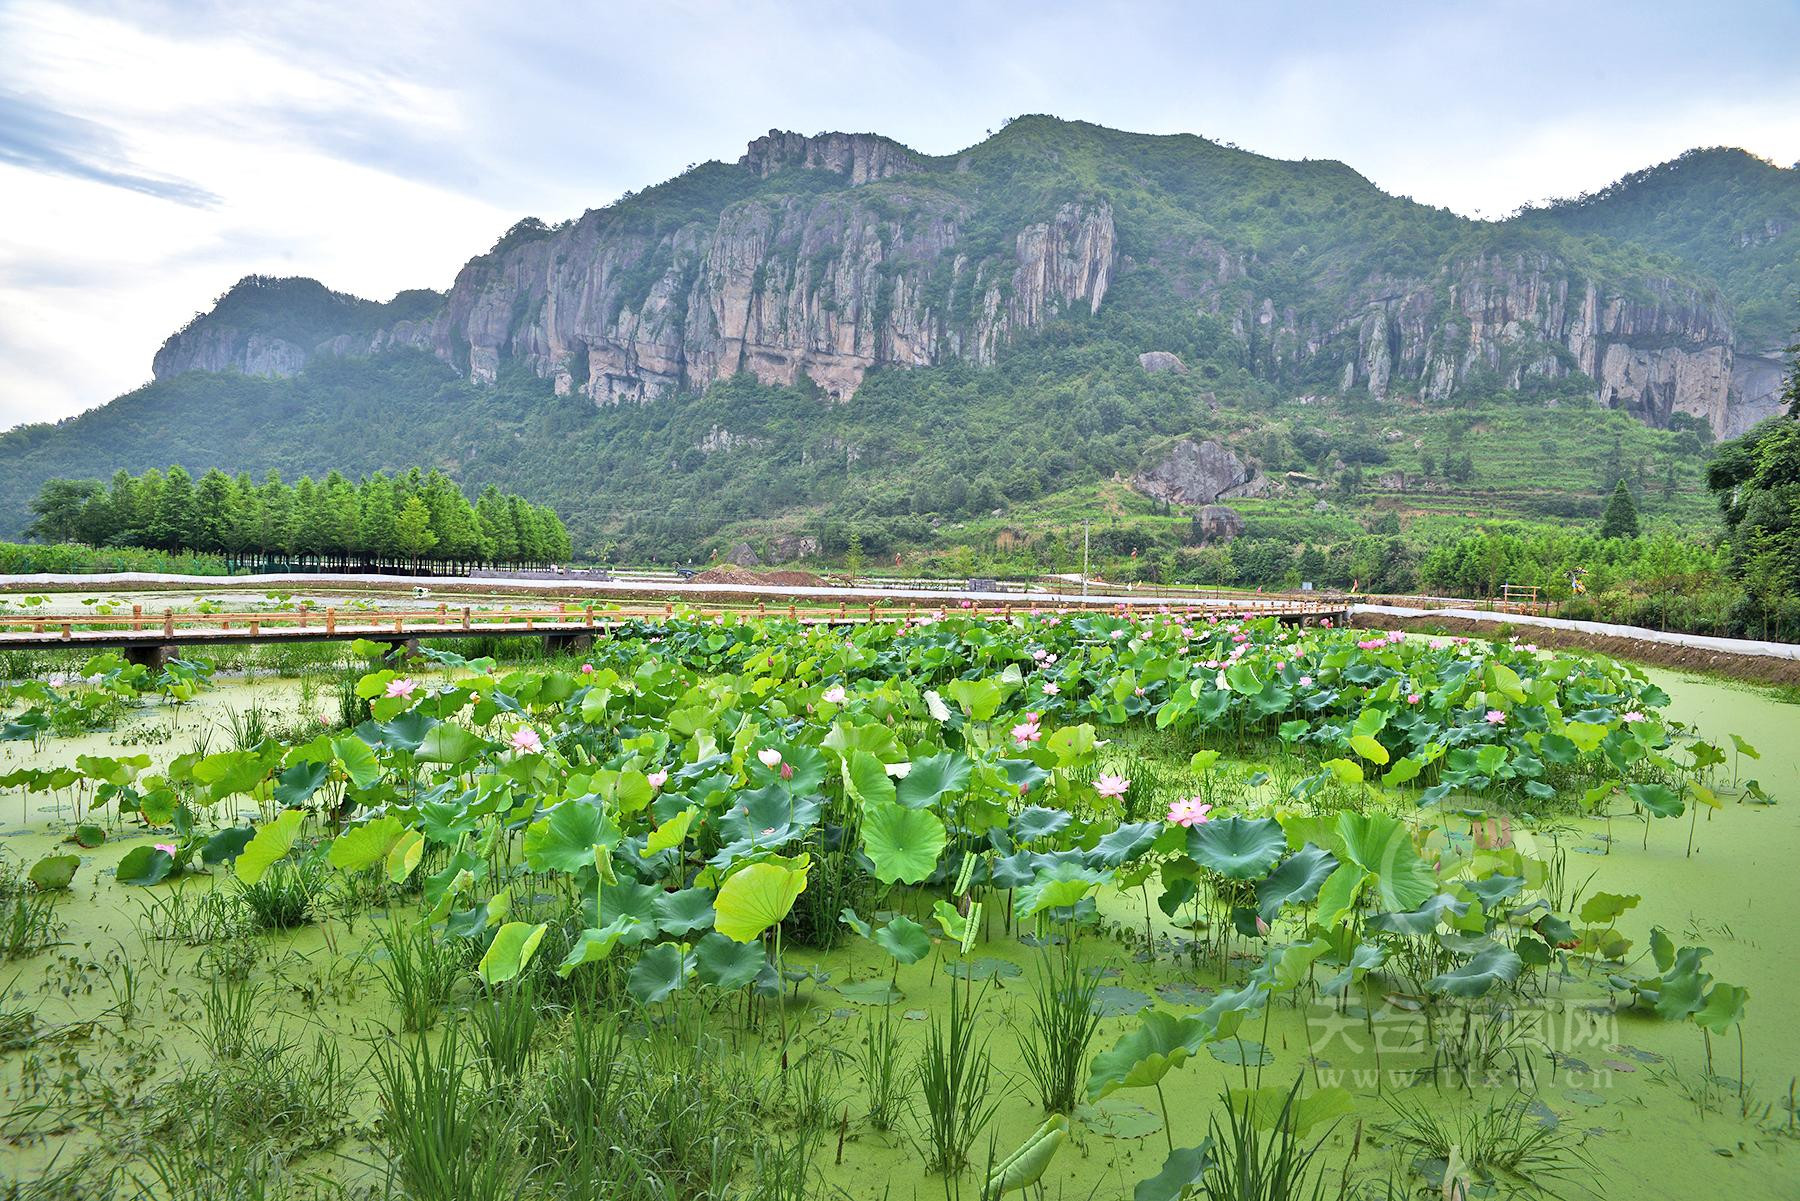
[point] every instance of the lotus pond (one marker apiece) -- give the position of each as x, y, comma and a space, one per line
1071, 906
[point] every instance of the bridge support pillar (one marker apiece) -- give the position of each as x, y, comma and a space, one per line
567, 644
153, 657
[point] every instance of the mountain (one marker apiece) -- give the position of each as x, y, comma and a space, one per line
833, 304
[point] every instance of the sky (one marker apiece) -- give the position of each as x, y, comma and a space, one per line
151, 154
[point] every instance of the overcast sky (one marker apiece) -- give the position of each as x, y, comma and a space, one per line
151, 154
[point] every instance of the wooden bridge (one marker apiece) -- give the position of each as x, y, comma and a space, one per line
153, 637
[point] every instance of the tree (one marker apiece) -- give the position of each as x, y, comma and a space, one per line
62, 510
1621, 517
412, 529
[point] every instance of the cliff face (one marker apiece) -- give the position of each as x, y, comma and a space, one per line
1664, 348
843, 252
821, 286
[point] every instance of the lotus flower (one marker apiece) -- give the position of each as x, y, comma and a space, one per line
1027, 732
1109, 785
587, 669
657, 779
1633, 715
402, 688
1190, 812
525, 740
833, 695
1051, 688
769, 756
167, 848
1495, 718
1412, 698
1306, 681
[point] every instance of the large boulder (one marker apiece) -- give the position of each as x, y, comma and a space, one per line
744, 555
1217, 523
1155, 362
784, 547
1198, 473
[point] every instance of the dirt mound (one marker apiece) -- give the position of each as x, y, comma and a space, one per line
738, 575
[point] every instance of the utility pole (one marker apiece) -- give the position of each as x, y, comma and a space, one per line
1084, 557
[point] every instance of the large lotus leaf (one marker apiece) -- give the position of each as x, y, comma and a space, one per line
1269, 1107
1181, 1172
1657, 798
1724, 1008
366, 845
1229, 1009
670, 834
357, 760
1382, 846
1405, 770
866, 779
1236, 847
903, 844
1441, 907
629, 899
658, 972
905, 939
1603, 907
767, 818
1022, 867
271, 843
683, 912
757, 897
1124, 843
226, 845
1161, 1042
1369, 748
725, 964
1295, 881
564, 839
53, 873
593, 945
513, 946
980, 699
1491, 890
1486, 968
932, 777
1035, 821
295, 785
1060, 886
404, 733
447, 743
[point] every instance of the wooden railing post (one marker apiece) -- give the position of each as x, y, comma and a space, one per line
465, 617
331, 621
169, 623
137, 617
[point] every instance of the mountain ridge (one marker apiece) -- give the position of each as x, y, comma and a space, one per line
822, 256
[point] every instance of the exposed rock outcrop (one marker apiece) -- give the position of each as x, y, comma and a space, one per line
1198, 473
1217, 523
1155, 362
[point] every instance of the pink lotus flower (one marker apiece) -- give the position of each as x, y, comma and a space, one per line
1495, 718
1306, 681
525, 740
1027, 732
1189, 812
1412, 698
402, 688
167, 848
769, 756
1040, 654
1633, 715
1396, 636
1262, 927
1109, 785
1051, 688
833, 695
657, 779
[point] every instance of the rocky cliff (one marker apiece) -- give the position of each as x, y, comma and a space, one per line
821, 257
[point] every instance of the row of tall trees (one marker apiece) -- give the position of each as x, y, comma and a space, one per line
412, 520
